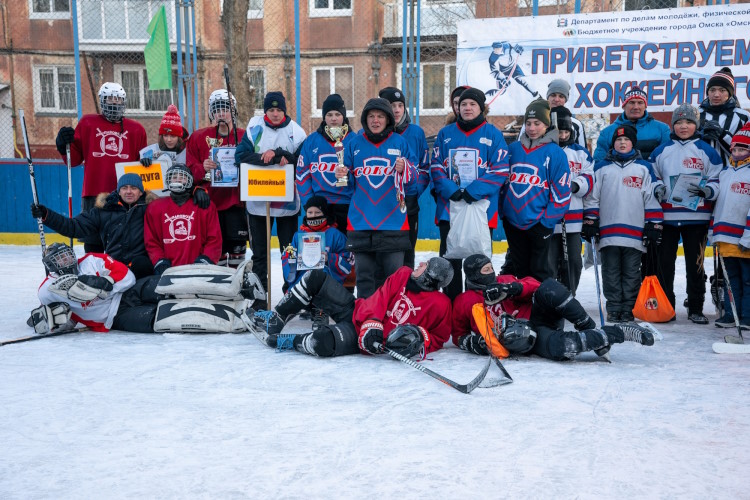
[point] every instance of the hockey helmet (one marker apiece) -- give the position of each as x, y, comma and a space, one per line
518, 337
179, 178
406, 340
60, 259
437, 275
112, 100
219, 101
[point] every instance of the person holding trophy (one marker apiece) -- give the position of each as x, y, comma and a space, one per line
321, 153
376, 163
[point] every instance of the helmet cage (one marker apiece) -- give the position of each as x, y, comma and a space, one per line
60, 259
178, 179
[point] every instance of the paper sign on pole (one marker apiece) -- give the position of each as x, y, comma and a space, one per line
152, 176
264, 183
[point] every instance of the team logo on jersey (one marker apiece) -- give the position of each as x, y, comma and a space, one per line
402, 310
523, 177
376, 170
111, 143
693, 163
326, 165
575, 166
633, 181
740, 187
180, 227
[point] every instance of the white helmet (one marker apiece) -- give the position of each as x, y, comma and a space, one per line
112, 100
219, 101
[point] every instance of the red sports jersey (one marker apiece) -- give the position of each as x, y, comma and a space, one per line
394, 305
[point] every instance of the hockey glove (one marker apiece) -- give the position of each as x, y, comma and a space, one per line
89, 287
146, 162
38, 211
590, 230
574, 187
468, 198
371, 333
457, 196
49, 318
64, 137
743, 248
712, 131
518, 49
660, 192
697, 190
201, 198
161, 266
652, 234
473, 343
500, 291
202, 259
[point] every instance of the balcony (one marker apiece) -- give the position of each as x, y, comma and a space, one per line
438, 19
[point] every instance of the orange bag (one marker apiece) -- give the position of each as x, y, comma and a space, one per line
485, 325
652, 304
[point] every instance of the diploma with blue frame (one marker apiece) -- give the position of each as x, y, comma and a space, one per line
310, 251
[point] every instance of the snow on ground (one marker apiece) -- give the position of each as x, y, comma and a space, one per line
123, 415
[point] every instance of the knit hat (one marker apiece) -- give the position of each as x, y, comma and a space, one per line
381, 105
685, 112
742, 136
538, 109
458, 91
274, 100
559, 86
321, 203
334, 102
635, 92
392, 94
473, 265
564, 118
722, 78
475, 95
171, 123
130, 180
625, 130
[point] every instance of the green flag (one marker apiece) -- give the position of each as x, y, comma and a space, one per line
157, 54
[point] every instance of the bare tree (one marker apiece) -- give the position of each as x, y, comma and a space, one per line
234, 23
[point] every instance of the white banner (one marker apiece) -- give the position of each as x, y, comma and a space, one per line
669, 53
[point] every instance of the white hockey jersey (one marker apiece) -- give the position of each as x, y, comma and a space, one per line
731, 220
581, 173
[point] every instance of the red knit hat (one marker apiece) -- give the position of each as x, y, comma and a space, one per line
722, 78
742, 136
171, 124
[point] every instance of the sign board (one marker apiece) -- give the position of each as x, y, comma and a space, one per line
152, 176
266, 183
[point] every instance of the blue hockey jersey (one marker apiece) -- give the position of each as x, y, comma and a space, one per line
419, 156
487, 144
582, 174
339, 262
316, 170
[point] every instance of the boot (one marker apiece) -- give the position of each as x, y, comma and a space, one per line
268, 321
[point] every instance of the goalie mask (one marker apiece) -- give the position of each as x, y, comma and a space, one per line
518, 337
112, 100
218, 101
437, 274
179, 178
60, 259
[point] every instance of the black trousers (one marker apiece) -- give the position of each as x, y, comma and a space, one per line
557, 262
234, 230
621, 277
528, 250
285, 229
694, 244
138, 305
412, 214
456, 286
340, 216
373, 268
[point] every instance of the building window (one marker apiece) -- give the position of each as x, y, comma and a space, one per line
650, 4
332, 80
121, 20
141, 100
255, 9
55, 89
257, 77
49, 9
330, 8
437, 80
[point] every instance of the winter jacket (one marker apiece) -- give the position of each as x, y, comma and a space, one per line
651, 134
730, 117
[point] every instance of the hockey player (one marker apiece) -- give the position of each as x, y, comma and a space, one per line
408, 305
721, 115
581, 181
528, 317
651, 132
729, 227
271, 139
558, 92
537, 195
418, 156
86, 290
685, 154
455, 101
117, 218
317, 163
171, 147
623, 205
475, 140
376, 162
177, 231
232, 214
98, 142
504, 67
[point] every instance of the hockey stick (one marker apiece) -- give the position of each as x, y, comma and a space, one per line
70, 188
29, 338
564, 235
34, 195
596, 280
729, 339
719, 304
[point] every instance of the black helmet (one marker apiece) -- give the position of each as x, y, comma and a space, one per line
60, 259
439, 274
518, 337
406, 340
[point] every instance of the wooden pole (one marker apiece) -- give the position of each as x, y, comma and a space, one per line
268, 252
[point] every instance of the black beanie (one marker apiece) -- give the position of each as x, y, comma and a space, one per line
318, 202
722, 78
334, 102
458, 91
625, 130
274, 100
392, 94
538, 109
475, 95
473, 265
564, 118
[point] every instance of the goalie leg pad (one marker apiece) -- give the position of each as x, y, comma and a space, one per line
200, 315
204, 281
50, 318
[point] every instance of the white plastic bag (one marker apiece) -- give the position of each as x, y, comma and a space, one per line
469, 233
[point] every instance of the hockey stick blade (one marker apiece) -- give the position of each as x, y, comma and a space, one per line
731, 339
464, 388
724, 348
29, 338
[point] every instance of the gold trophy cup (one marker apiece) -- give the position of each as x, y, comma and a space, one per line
337, 134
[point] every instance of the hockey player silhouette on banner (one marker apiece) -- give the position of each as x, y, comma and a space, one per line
504, 69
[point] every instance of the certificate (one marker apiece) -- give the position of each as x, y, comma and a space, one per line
464, 166
310, 251
680, 195
226, 173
